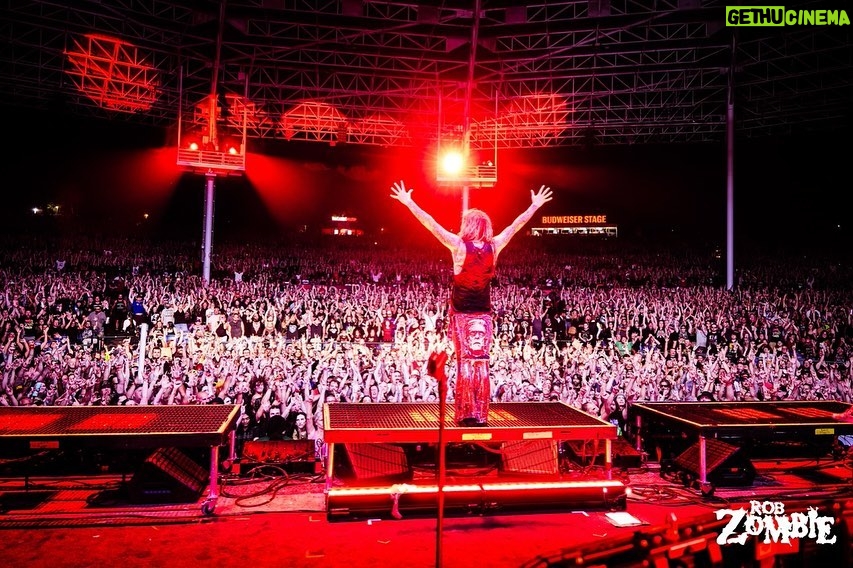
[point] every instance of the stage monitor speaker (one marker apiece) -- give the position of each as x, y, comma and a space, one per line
530, 456
167, 476
725, 464
371, 461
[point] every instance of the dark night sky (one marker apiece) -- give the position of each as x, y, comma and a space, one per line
111, 174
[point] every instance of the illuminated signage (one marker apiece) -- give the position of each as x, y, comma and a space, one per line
342, 232
599, 230
573, 219
575, 225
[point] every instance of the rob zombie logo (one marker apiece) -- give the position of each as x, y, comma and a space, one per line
768, 518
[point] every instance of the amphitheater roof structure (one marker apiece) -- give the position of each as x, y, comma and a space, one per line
398, 72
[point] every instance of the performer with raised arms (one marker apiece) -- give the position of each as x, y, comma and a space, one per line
475, 251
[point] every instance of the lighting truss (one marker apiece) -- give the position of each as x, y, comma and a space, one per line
561, 73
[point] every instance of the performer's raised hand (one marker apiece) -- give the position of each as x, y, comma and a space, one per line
541, 197
400, 193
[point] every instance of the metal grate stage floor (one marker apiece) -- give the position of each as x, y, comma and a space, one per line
753, 419
118, 426
419, 422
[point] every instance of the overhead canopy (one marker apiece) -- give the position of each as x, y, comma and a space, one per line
551, 73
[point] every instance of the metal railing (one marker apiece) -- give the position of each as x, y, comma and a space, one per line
211, 160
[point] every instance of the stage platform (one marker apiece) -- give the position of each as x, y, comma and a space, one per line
722, 428
125, 428
391, 450
54, 427
418, 422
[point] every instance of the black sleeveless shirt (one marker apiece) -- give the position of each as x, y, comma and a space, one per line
471, 291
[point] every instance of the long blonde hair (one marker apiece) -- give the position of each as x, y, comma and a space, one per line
476, 226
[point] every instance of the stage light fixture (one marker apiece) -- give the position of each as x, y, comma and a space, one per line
452, 163
194, 146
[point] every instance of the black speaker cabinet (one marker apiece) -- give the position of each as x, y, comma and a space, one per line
725, 464
530, 456
167, 476
377, 461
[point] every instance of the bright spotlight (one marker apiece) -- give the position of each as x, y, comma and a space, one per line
452, 163
36, 210
194, 146
232, 150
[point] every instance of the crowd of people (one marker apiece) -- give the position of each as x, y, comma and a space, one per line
281, 330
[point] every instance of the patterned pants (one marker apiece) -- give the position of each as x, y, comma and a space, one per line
472, 337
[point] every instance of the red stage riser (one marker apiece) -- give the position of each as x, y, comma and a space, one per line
528, 433
418, 422
704, 435
464, 499
58, 427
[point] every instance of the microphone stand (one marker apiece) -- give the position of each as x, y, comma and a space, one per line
436, 366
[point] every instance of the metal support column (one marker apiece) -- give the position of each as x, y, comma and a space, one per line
208, 227
730, 176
